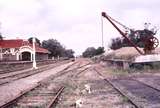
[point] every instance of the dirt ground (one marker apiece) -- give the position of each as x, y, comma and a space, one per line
102, 94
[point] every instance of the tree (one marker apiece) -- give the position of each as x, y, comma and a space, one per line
91, 51
54, 47
1, 37
57, 49
69, 53
36, 39
116, 43
99, 50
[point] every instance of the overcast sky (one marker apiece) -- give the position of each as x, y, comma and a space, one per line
74, 23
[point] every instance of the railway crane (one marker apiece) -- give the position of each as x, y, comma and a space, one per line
145, 36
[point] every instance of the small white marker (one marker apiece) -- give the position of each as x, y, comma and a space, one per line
79, 103
88, 88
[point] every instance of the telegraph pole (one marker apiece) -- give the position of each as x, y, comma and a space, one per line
34, 54
0, 44
102, 30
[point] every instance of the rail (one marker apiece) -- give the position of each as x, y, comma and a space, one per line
54, 101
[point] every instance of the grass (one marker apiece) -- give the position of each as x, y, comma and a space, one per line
137, 69
125, 99
114, 71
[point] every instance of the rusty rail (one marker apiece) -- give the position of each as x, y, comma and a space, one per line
123, 94
53, 102
14, 99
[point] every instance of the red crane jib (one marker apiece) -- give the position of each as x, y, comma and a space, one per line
123, 34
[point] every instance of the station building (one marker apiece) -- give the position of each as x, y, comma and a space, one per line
20, 50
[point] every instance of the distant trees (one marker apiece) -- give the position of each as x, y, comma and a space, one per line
116, 43
69, 53
1, 37
56, 49
36, 39
99, 50
91, 51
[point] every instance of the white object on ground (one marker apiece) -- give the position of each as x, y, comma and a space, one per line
79, 103
88, 88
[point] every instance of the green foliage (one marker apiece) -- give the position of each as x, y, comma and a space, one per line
156, 65
99, 50
57, 49
69, 53
125, 99
116, 43
91, 51
37, 41
54, 47
1, 37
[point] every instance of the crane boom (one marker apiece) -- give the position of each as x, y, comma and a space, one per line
134, 45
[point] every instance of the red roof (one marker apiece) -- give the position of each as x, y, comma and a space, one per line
17, 43
11, 43
39, 49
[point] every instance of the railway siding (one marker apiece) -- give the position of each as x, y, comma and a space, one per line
11, 90
150, 80
143, 96
102, 94
141, 90
12, 76
44, 95
133, 91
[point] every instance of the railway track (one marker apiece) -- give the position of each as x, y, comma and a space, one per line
115, 87
44, 96
45, 92
9, 77
100, 96
8, 67
53, 102
138, 93
72, 71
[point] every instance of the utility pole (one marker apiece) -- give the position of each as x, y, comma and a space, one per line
0, 43
34, 54
1, 53
102, 30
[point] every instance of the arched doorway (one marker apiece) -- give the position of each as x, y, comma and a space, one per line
26, 56
25, 53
